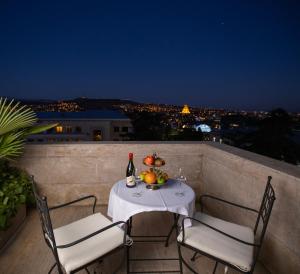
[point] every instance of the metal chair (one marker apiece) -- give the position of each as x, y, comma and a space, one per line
228, 243
81, 243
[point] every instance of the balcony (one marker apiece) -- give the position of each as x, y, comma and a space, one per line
67, 171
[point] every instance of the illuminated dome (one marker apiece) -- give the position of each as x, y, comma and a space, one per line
185, 110
203, 128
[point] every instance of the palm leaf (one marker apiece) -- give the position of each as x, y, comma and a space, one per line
39, 129
11, 144
13, 117
16, 123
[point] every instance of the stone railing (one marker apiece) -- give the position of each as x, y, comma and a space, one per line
240, 176
67, 171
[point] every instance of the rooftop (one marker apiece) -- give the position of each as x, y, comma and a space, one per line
83, 115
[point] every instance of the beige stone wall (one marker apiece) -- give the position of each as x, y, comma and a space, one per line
241, 176
68, 171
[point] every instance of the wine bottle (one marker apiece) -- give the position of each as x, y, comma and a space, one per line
130, 172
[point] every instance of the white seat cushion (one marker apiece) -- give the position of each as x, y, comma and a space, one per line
213, 243
80, 254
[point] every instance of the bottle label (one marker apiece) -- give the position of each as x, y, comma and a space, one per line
130, 181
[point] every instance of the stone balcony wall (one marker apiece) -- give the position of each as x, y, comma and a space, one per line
241, 176
68, 171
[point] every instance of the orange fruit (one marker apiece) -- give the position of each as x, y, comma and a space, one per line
150, 178
142, 175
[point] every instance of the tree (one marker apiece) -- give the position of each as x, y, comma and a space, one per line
16, 123
189, 134
273, 138
149, 126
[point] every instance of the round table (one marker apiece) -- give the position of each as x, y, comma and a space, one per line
125, 202
174, 197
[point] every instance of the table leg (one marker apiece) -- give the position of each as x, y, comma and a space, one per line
127, 249
129, 226
174, 227
147, 239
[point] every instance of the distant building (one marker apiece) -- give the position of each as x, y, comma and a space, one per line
98, 125
185, 110
203, 128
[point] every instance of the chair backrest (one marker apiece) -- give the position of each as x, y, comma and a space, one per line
265, 210
43, 210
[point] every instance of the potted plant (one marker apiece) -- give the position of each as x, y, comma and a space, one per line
16, 124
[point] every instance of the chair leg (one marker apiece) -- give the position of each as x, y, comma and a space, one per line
174, 227
52, 267
87, 271
180, 258
194, 257
189, 267
215, 268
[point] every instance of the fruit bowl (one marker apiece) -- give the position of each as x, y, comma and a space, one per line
154, 178
153, 161
154, 186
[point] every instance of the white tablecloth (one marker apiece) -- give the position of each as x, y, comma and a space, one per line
123, 203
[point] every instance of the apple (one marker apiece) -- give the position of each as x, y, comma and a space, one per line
142, 175
149, 160
158, 162
161, 180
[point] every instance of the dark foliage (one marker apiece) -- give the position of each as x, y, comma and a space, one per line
149, 126
273, 138
188, 134
15, 189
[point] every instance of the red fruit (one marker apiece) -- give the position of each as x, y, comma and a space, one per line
149, 160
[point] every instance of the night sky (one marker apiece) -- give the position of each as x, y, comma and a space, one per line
231, 54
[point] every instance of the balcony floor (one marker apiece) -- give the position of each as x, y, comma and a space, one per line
30, 254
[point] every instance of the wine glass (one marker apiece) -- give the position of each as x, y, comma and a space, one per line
138, 189
180, 178
137, 176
